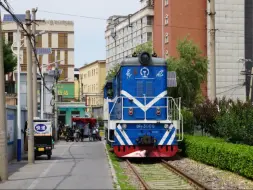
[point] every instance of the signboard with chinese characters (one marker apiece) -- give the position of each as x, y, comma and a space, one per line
67, 90
42, 129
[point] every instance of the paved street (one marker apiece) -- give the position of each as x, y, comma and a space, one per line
74, 165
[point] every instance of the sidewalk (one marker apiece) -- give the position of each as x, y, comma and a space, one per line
74, 165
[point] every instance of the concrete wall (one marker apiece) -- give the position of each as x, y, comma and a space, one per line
12, 143
11, 116
47, 95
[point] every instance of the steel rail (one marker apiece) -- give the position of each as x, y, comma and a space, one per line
190, 180
146, 186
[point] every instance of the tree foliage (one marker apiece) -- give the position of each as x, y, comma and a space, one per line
112, 72
148, 47
10, 61
225, 118
191, 69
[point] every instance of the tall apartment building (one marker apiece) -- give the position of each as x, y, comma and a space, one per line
233, 21
176, 19
59, 35
173, 20
124, 33
92, 79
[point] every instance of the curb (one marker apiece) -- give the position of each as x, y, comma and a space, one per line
114, 177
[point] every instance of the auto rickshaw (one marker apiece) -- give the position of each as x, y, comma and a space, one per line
43, 139
85, 125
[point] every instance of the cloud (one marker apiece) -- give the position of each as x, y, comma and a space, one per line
89, 33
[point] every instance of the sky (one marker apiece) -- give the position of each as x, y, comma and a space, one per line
89, 33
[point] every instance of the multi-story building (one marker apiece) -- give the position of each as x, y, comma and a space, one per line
92, 79
124, 33
172, 20
233, 21
176, 19
58, 35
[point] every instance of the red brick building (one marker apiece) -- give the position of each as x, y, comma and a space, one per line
174, 20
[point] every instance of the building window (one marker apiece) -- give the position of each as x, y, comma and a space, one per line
166, 38
167, 53
166, 2
65, 73
63, 40
66, 57
58, 55
166, 20
51, 57
24, 56
40, 59
38, 41
10, 37
149, 20
22, 36
149, 36
49, 39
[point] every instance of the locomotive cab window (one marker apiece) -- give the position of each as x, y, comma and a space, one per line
109, 90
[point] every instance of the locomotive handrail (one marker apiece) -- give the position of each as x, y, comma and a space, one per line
109, 113
171, 107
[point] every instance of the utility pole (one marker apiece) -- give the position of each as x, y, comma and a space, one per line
34, 67
212, 49
3, 130
162, 28
29, 91
56, 98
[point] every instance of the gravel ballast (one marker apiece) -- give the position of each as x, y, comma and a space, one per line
210, 176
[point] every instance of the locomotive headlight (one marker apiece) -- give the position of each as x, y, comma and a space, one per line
144, 58
124, 126
166, 126
158, 111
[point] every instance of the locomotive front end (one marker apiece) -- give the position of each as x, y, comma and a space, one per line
143, 120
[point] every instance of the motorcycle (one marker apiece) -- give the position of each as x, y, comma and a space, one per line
95, 136
70, 135
77, 135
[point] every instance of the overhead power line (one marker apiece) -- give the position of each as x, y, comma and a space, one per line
74, 15
31, 39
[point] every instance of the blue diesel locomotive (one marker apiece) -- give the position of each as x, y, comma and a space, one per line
140, 119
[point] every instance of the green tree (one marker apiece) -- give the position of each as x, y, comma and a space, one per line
148, 47
112, 72
191, 69
10, 61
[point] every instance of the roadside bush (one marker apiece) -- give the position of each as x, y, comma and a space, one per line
205, 115
188, 121
236, 125
225, 118
216, 152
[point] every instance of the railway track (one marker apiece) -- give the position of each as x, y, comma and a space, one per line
163, 176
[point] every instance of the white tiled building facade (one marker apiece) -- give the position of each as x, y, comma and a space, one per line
59, 35
230, 47
124, 33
